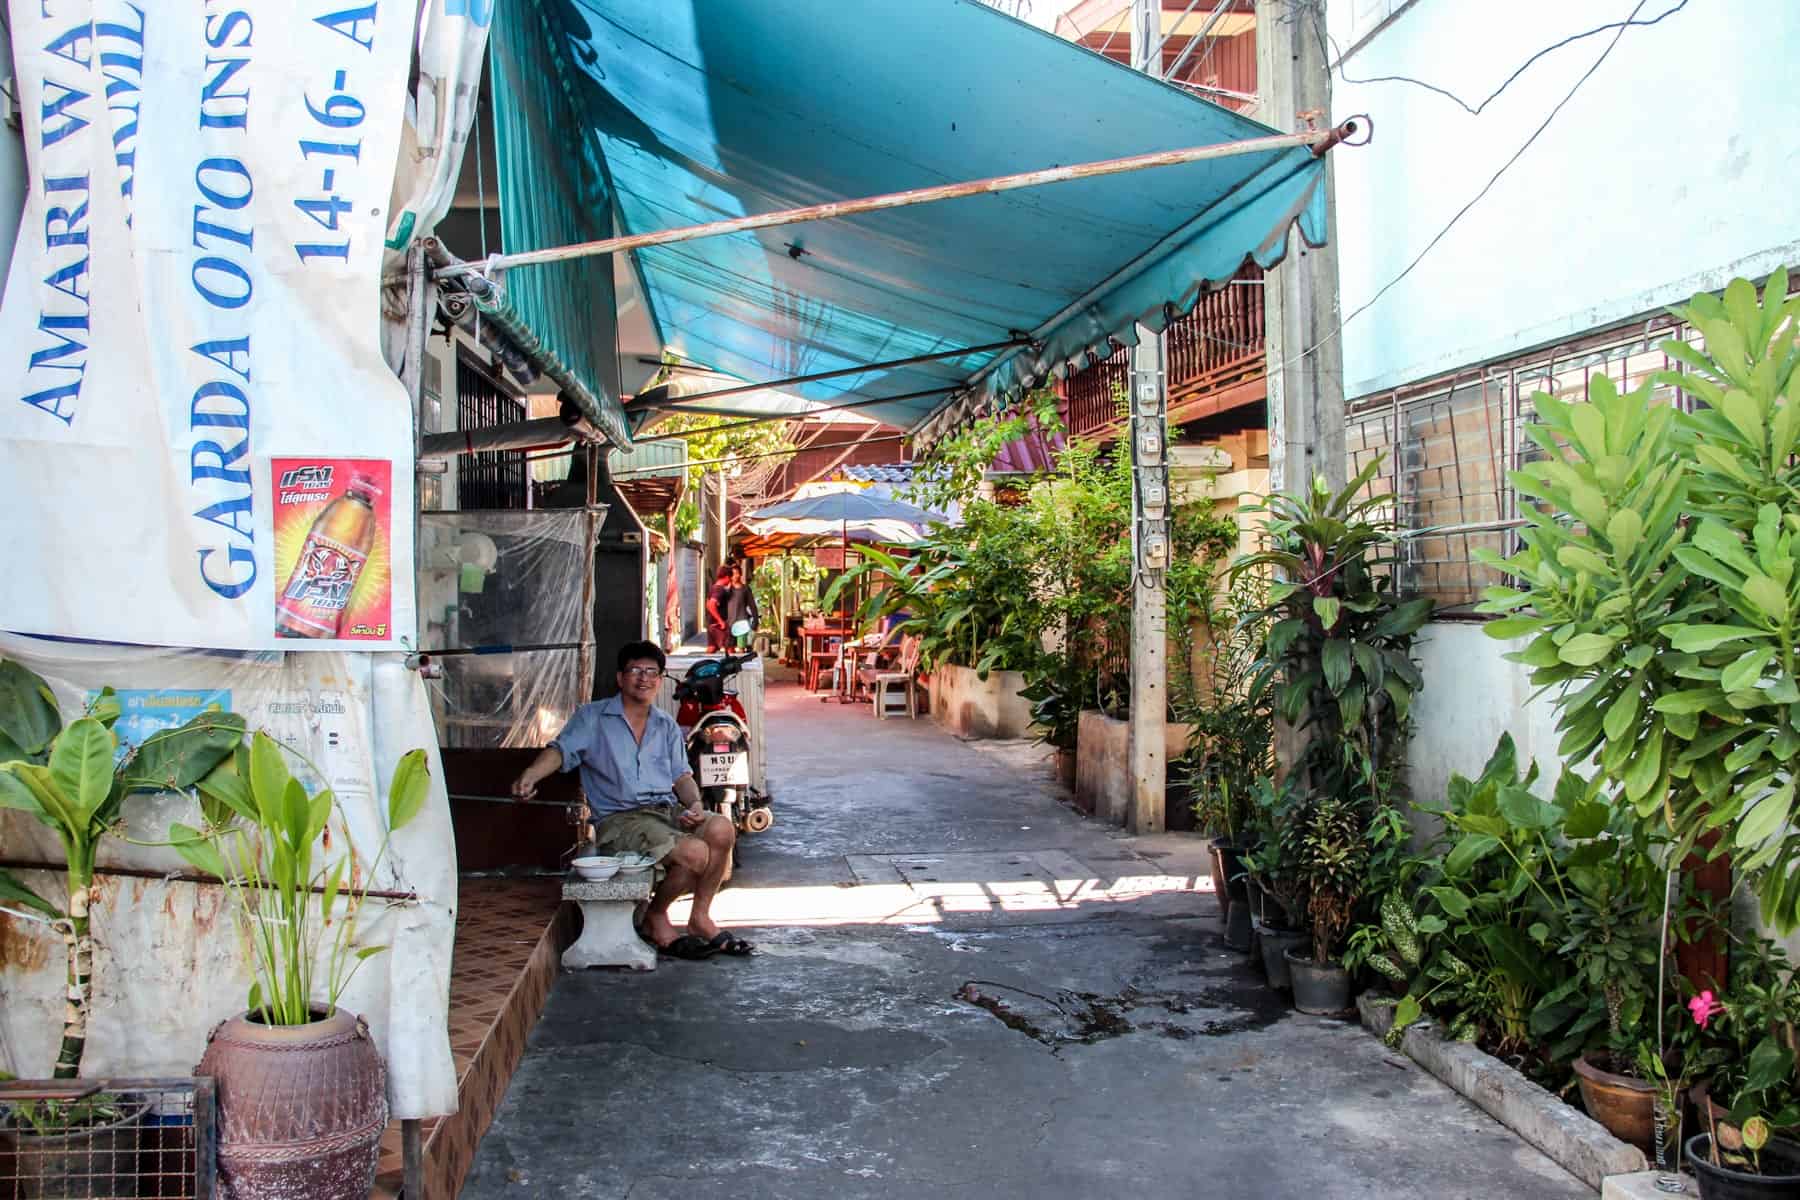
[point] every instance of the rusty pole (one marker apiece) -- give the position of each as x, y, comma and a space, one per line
925, 195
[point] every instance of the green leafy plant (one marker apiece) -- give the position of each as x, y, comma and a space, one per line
1531, 920
269, 842
1275, 827
1339, 636
1745, 1039
954, 469
1231, 718
1392, 948
1057, 689
1333, 862
74, 781
48, 1118
1657, 591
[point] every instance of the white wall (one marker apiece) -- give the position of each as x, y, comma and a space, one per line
1471, 696
1674, 168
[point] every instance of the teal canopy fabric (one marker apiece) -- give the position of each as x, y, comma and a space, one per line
701, 110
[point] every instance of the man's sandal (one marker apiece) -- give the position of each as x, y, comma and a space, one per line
690, 947
725, 942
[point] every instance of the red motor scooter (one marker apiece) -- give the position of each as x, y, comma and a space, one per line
718, 742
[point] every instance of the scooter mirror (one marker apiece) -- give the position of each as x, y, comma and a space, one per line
740, 628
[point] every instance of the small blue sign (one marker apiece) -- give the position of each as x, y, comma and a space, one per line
144, 711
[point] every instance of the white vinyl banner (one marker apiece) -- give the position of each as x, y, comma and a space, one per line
200, 443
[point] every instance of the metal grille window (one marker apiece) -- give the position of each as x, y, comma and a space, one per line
494, 479
1447, 445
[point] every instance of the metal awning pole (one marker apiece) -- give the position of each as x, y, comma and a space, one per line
634, 472
1315, 139
681, 402
765, 418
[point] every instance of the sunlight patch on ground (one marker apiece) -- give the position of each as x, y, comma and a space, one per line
928, 903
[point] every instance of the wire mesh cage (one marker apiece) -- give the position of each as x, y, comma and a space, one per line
106, 1137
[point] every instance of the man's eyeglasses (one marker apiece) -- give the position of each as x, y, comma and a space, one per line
643, 672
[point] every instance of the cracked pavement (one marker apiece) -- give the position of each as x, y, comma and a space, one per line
965, 988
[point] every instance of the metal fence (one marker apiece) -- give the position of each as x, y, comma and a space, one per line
107, 1137
1447, 447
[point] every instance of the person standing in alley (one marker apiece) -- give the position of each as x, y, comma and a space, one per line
742, 605
718, 603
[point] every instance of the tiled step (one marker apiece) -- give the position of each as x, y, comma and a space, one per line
509, 936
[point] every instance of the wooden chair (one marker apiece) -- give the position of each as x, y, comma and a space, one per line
867, 656
881, 685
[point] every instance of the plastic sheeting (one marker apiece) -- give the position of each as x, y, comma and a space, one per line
171, 963
493, 580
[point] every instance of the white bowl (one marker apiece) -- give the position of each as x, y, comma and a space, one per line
595, 868
634, 862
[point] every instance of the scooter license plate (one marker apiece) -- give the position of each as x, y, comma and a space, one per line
724, 770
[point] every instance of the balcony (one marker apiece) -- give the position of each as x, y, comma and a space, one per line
1215, 364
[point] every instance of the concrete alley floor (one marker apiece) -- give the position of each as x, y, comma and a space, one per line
913, 890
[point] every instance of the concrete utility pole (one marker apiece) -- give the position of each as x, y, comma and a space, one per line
1300, 297
1148, 433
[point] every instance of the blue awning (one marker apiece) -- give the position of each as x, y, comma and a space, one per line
705, 111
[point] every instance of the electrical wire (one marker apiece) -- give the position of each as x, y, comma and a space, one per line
1476, 109
1337, 330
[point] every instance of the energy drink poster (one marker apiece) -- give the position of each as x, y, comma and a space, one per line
196, 291
333, 557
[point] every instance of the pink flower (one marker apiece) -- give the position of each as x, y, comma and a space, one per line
1704, 1008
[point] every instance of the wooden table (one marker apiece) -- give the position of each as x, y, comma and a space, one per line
820, 646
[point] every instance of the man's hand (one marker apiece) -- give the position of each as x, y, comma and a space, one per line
547, 763
691, 818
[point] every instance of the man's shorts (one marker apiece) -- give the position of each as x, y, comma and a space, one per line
651, 830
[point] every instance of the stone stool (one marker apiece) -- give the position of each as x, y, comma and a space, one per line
608, 938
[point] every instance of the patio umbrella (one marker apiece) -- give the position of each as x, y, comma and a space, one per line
877, 518
881, 518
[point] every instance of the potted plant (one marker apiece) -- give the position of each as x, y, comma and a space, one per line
1333, 862
302, 1089
1055, 689
1653, 595
73, 780
1746, 1041
1746, 1164
1274, 865
1609, 936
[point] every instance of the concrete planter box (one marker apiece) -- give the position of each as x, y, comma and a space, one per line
1103, 763
972, 707
1574, 1140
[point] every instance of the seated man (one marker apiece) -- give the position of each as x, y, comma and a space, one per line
635, 774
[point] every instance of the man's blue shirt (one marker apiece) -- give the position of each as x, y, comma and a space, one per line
618, 771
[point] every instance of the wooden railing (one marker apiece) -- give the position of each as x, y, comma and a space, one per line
1219, 342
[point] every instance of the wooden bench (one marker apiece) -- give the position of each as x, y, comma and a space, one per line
608, 937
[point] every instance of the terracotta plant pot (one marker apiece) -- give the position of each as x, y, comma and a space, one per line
1780, 1171
1625, 1105
301, 1108
98, 1161
1065, 767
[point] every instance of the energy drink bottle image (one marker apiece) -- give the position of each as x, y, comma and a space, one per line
336, 548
